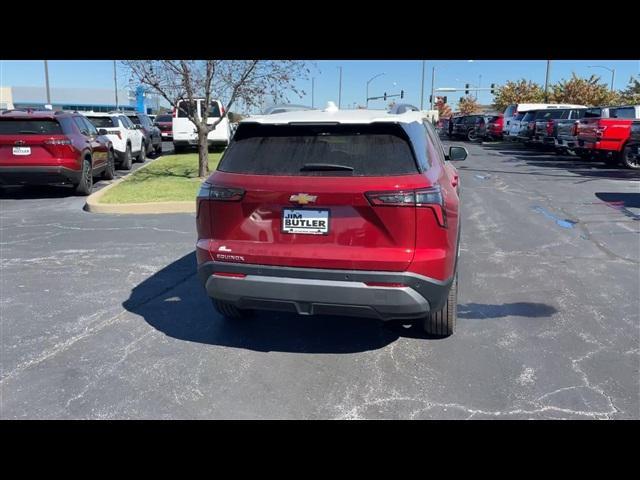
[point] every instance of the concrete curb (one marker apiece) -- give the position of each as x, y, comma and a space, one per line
92, 205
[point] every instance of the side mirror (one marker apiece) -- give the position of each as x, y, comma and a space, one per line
457, 154
102, 131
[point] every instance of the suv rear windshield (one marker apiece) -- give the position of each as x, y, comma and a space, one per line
593, 113
163, 118
102, 122
529, 116
551, 113
518, 116
511, 109
313, 150
39, 126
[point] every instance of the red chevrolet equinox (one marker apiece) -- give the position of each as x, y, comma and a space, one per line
46, 147
333, 212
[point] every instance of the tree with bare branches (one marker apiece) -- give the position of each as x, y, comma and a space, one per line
229, 81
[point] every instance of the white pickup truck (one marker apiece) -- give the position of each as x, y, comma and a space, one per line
127, 139
184, 131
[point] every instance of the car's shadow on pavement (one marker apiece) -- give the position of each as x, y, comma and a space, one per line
516, 309
174, 302
33, 192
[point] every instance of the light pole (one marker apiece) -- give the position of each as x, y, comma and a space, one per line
340, 88
115, 82
433, 82
368, 82
46, 80
612, 70
312, 91
546, 82
422, 88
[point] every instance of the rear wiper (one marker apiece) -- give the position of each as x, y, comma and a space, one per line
319, 167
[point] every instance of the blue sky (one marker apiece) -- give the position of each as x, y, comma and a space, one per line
399, 75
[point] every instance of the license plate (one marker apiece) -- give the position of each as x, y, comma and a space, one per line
306, 221
22, 150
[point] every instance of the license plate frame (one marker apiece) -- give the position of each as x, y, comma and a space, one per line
319, 214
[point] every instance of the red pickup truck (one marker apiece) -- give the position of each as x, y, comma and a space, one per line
603, 133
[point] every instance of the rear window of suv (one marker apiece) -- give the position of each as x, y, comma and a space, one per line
163, 118
34, 126
102, 122
306, 150
624, 112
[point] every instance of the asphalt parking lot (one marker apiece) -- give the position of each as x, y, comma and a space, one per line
103, 315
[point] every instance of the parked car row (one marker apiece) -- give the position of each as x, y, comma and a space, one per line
45, 147
606, 134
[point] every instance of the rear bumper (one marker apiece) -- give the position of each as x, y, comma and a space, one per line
310, 291
38, 175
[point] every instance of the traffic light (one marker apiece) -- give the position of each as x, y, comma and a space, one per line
493, 88
466, 89
401, 93
385, 96
430, 98
444, 99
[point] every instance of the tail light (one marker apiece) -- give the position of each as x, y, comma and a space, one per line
600, 129
550, 127
424, 198
221, 110
224, 194
173, 112
59, 147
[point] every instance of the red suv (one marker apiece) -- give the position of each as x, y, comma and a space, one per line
46, 147
333, 212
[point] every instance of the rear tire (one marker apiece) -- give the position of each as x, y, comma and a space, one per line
178, 148
158, 150
630, 159
86, 178
126, 162
110, 171
471, 135
443, 322
229, 310
142, 156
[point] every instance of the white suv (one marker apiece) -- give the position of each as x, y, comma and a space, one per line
127, 139
184, 131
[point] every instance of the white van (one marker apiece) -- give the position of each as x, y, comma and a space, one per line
184, 131
511, 123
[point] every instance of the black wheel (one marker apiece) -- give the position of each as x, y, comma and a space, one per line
229, 310
86, 179
110, 171
178, 148
631, 157
158, 149
142, 156
443, 322
126, 163
472, 135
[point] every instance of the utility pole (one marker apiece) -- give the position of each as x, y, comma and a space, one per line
422, 89
433, 80
546, 82
312, 91
115, 81
46, 79
340, 88
478, 89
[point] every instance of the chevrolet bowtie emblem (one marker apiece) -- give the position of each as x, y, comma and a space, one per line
302, 198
